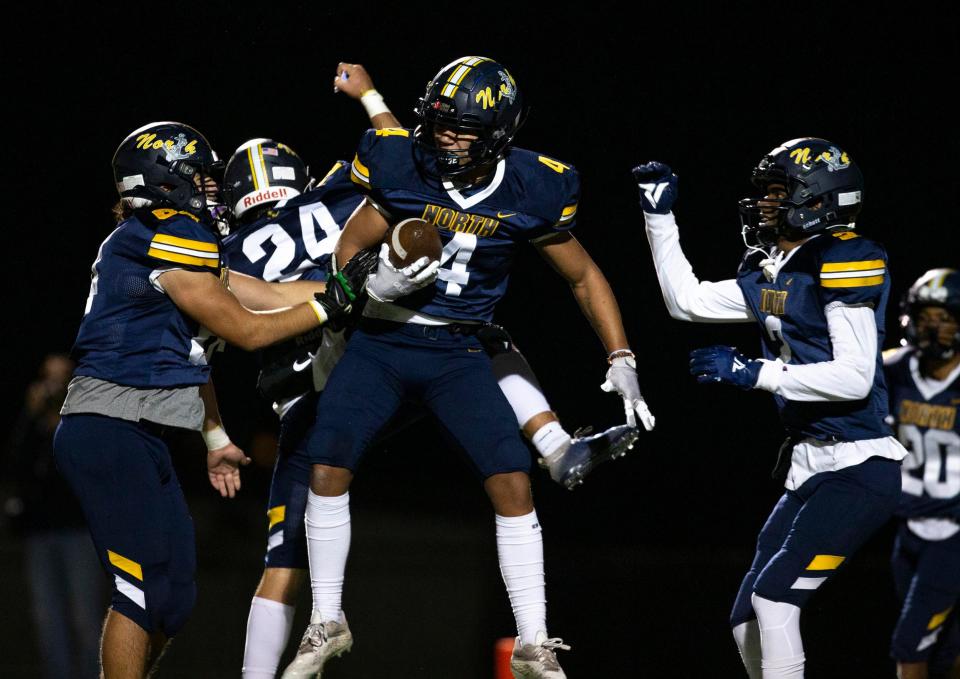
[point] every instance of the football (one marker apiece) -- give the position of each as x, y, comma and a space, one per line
412, 239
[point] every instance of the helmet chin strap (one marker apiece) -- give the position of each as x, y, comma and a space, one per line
769, 262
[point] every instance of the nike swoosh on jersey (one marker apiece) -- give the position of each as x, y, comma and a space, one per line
501, 215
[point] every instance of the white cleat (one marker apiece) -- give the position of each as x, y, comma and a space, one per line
322, 640
537, 660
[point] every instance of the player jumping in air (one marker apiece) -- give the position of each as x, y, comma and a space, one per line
418, 339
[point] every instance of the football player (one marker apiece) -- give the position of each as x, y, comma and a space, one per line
924, 382
418, 335
158, 288
818, 290
283, 229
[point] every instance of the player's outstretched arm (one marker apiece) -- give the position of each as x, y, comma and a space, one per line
259, 295
205, 299
354, 81
598, 303
223, 457
686, 297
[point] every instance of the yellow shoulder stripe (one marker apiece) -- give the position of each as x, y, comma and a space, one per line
825, 562
858, 282
185, 243
393, 132
183, 259
569, 210
336, 166
830, 267
128, 566
276, 515
359, 172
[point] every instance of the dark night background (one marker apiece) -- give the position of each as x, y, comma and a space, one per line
644, 560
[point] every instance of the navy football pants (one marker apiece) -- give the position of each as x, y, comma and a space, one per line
447, 371
814, 529
927, 578
122, 475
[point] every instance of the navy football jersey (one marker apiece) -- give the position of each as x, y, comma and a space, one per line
837, 267
925, 413
296, 238
528, 196
132, 334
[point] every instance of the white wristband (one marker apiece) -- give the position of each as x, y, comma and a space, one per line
215, 438
373, 103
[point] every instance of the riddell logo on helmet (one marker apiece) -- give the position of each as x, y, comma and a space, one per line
278, 193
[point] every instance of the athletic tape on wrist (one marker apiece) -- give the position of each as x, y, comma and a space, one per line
215, 438
373, 103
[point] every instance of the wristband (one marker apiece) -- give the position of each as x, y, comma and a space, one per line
318, 310
619, 353
215, 438
373, 103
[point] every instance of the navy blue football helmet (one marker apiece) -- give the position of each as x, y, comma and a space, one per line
259, 174
937, 288
472, 95
166, 164
824, 190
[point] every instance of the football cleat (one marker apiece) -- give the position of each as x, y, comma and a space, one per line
569, 466
537, 660
321, 641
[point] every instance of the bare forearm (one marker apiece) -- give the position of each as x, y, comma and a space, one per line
211, 411
259, 295
599, 305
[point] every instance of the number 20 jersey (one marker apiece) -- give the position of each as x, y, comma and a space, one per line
927, 425
527, 197
832, 268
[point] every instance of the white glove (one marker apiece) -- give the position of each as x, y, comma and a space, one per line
388, 282
622, 378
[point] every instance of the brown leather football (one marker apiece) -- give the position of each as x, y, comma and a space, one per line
412, 239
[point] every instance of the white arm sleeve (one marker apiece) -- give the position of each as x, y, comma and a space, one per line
848, 377
688, 299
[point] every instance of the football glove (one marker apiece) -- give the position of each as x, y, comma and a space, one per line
622, 379
389, 283
726, 365
345, 287
658, 187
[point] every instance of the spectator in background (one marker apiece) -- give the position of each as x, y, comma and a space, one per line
67, 591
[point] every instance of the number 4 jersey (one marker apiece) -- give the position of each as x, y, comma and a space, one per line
925, 411
528, 197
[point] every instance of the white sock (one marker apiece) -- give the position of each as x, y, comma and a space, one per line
779, 638
550, 438
328, 542
519, 385
520, 551
268, 631
747, 636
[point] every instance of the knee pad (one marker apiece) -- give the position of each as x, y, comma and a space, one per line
779, 633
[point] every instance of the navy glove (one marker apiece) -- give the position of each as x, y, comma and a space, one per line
724, 364
658, 187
